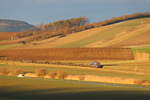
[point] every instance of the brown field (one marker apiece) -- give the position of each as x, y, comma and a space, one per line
7, 35
141, 56
68, 54
11, 42
8, 38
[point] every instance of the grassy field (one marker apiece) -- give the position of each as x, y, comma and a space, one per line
123, 69
144, 49
12, 88
135, 37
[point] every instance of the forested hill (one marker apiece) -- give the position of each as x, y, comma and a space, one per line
14, 25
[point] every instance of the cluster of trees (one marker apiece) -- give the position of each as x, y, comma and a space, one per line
81, 23
58, 28
69, 23
64, 27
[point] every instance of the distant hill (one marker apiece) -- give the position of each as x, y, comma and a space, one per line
14, 25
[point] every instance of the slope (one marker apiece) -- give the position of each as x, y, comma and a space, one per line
137, 37
124, 34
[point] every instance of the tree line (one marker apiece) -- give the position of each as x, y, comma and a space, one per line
64, 27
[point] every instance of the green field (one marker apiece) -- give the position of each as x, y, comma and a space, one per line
12, 88
142, 49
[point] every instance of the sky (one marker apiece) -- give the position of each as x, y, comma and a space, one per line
45, 11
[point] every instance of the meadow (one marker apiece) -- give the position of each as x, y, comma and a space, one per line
13, 88
141, 49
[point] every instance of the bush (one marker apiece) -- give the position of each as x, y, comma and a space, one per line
142, 82
41, 72
18, 71
52, 74
81, 77
61, 75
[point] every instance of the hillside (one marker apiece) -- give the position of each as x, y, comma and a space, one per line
65, 27
14, 25
132, 33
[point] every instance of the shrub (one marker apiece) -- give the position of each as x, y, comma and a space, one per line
142, 82
81, 77
41, 72
52, 74
61, 75
17, 71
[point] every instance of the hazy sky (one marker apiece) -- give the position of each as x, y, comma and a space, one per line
44, 11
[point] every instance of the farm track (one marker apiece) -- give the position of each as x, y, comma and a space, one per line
108, 70
83, 66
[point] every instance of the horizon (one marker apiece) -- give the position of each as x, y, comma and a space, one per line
45, 11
